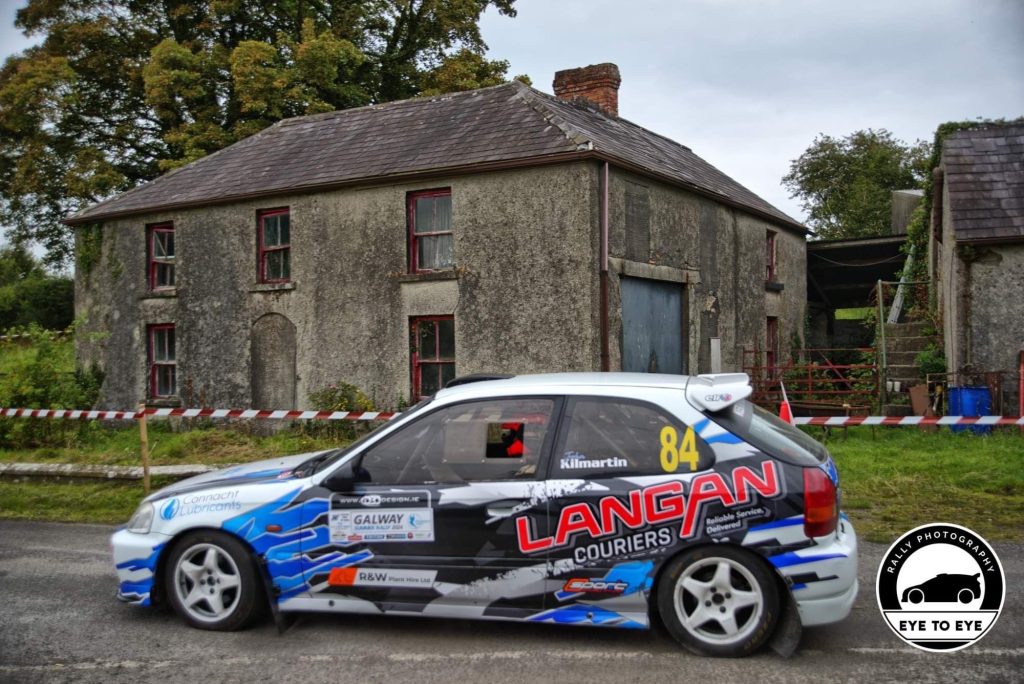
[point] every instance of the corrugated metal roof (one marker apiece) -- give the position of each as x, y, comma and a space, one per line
509, 123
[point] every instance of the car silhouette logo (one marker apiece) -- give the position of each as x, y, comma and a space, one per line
945, 588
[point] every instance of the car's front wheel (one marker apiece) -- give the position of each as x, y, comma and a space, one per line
212, 581
718, 601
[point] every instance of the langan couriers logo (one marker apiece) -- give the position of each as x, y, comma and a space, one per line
940, 587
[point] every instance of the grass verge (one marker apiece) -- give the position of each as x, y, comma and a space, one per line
893, 479
899, 478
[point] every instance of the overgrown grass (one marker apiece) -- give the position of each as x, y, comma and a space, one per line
207, 445
93, 502
15, 353
899, 478
892, 480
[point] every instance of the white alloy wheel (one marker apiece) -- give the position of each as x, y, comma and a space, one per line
207, 582
718, 600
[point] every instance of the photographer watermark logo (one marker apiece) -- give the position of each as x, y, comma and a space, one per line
940, 587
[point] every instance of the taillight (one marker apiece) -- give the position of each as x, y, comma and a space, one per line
821, 509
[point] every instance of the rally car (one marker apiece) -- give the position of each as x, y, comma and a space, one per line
605, 499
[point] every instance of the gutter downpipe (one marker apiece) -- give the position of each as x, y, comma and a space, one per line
603, 267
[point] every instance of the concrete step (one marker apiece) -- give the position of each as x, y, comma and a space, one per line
897, 372
908, 329
897, 410
901, 358
914, 344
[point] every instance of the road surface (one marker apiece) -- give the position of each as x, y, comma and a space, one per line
61, 623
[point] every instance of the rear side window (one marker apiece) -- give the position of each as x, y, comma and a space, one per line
604, 437
770, 434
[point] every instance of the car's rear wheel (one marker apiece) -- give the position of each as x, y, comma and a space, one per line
212, 581
718, 601
965, 596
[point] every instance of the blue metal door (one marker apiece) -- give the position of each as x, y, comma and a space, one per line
652, 326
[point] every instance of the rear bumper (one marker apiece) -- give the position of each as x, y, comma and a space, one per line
825, 587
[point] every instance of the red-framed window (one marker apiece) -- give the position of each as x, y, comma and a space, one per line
431, 245
769, 249
274, 235
772, 344
160, 253
433, 354
163, 366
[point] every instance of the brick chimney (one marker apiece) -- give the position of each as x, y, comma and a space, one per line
597, 84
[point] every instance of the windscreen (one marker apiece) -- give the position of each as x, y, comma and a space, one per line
770, 434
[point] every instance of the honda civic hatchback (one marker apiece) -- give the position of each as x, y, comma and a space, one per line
609, 499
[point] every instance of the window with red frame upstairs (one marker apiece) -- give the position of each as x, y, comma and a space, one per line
274, 237
163, 366
433, 354
769, 248
160, 253
431, 244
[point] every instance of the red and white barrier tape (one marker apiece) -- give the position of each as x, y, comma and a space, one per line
921, 421
198, 413
367, 416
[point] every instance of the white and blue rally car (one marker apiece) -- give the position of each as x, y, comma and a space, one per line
605, 499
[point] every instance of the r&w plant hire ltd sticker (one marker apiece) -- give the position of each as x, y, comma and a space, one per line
940, 587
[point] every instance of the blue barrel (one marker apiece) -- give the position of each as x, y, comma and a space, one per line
970, 401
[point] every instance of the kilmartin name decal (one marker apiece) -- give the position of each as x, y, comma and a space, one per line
654, 505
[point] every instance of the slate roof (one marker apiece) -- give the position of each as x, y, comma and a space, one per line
984, 171
459, 132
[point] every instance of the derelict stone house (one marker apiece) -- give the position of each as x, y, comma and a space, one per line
976, 253
397, 245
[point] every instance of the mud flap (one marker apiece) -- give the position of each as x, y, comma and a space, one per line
787, 633
281, 621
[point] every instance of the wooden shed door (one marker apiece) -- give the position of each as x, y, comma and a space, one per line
652, 326
273, 363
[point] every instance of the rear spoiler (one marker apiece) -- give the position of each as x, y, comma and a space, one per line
718, 391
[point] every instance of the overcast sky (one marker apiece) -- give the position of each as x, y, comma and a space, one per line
747, 84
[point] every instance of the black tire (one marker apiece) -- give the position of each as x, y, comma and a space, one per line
718, 601
217, 564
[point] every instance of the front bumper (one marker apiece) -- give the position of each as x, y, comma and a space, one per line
826, 586
135, 558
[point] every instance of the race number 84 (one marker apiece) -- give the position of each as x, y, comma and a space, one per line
672, 453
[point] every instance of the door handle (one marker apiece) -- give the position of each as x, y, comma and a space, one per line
503, 509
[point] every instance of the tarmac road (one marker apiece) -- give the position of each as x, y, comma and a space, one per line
60, 622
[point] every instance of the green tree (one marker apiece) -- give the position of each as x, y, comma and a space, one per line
29, 295
845, 185
119, 91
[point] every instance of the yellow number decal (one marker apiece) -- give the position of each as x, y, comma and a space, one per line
669, 452
672, 454
688, 452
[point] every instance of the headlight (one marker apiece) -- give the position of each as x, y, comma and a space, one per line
141, 519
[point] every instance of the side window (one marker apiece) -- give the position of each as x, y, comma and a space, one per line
274, 237
433, 354
614, 437
161, 256
163, 365
431, 246
496, 439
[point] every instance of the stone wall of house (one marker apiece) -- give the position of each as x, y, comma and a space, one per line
521, 293
718, 253
524, 293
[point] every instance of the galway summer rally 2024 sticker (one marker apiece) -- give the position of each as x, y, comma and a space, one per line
940, 587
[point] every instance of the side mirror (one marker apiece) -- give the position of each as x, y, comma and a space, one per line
345, 476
